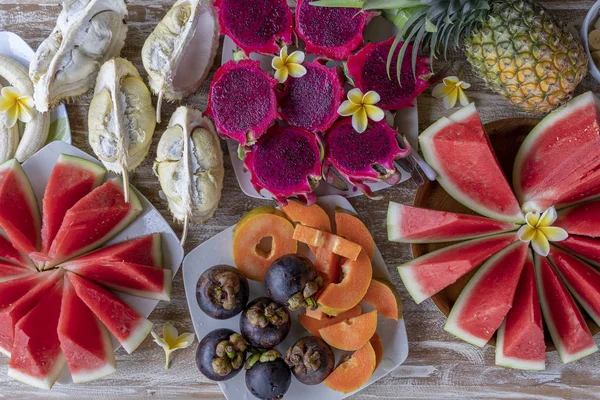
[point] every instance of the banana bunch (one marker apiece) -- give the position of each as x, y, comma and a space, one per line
189, 166
121, 118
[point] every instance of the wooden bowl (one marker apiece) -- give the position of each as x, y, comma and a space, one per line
506, 137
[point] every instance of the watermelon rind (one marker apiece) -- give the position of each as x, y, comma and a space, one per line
47, 382
97, 170
137, 336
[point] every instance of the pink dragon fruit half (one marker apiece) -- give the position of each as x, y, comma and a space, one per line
286, 162
311, 102
260, 26
242, 101
362, 157
330, 32
369, 71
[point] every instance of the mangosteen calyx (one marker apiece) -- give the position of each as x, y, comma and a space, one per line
305, 297
224, 290
302, 360
267, 356
261, 315
230, 355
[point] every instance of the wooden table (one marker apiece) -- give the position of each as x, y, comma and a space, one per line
438, 365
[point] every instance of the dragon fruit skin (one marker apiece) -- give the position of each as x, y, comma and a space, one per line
258, 26
286, 161
242, 101
363, 157
311, 102
369, 71
330, 32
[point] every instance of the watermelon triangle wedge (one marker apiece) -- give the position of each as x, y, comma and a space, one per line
565, 323
10, 271
425, 276
581, 219
485, 301
520, 340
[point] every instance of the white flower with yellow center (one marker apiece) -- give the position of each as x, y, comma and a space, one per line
15, 107
540, 232
172, 340
362, 108
291, 65
452, 90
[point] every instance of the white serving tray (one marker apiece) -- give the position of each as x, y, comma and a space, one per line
217, 250
38, 169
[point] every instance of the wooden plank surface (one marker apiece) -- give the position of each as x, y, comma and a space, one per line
438, 366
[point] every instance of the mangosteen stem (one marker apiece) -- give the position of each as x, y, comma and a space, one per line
252, 360
270, 355
311, 303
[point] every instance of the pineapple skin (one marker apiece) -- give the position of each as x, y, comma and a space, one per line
523, 53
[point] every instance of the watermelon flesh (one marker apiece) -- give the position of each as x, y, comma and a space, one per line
93, 220
36, 358
581, 219
19, 214
12, 255
565, 323
459, 151
10, 271
122, 321
85, 342
487, 298
425, 276
71, 179
558, 163
406, 224
584, 247
520, 340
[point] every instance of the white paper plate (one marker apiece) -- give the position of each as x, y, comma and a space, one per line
38, 169
217, 250
406, 121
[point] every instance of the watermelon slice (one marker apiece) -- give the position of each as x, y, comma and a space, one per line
84, 341
13, 290
425, 276
15, 310
584, 247
520, 339
406, 224
37, 359
71, 179
459, 151
126, 324
12, 255
558, 162
94, 220
10, 271
581, 219
565, 323
136, 279
19, 214
485, 301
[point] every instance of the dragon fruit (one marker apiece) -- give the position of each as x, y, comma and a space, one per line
242, 101
362, 157
368, 70
311, 102
330, 31
286, 162
259, 26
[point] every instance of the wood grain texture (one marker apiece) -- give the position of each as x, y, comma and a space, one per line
439, 366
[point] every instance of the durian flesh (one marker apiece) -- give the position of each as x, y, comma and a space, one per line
189, 166
87, 33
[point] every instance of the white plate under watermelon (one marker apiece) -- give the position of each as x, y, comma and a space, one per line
38, 169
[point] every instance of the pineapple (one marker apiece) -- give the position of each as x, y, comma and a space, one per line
517, 48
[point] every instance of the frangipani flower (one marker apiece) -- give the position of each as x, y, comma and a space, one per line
15, 107
362, 108
172, 341
539, 231
285, 65
451, 90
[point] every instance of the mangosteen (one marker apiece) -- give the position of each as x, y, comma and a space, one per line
292, 280
267, 375
222, 292
221, 354
265, 323
311, 360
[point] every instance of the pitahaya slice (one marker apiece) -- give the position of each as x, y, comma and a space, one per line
363, 157
242, 101
286, 162
256, 25
311, 102
368, 69
330, 32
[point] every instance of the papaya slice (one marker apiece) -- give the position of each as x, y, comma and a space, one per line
378, 348
312, 325
352, 228
353, 372
261, 223
327, 264
351, 334
336, 244
384, 298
